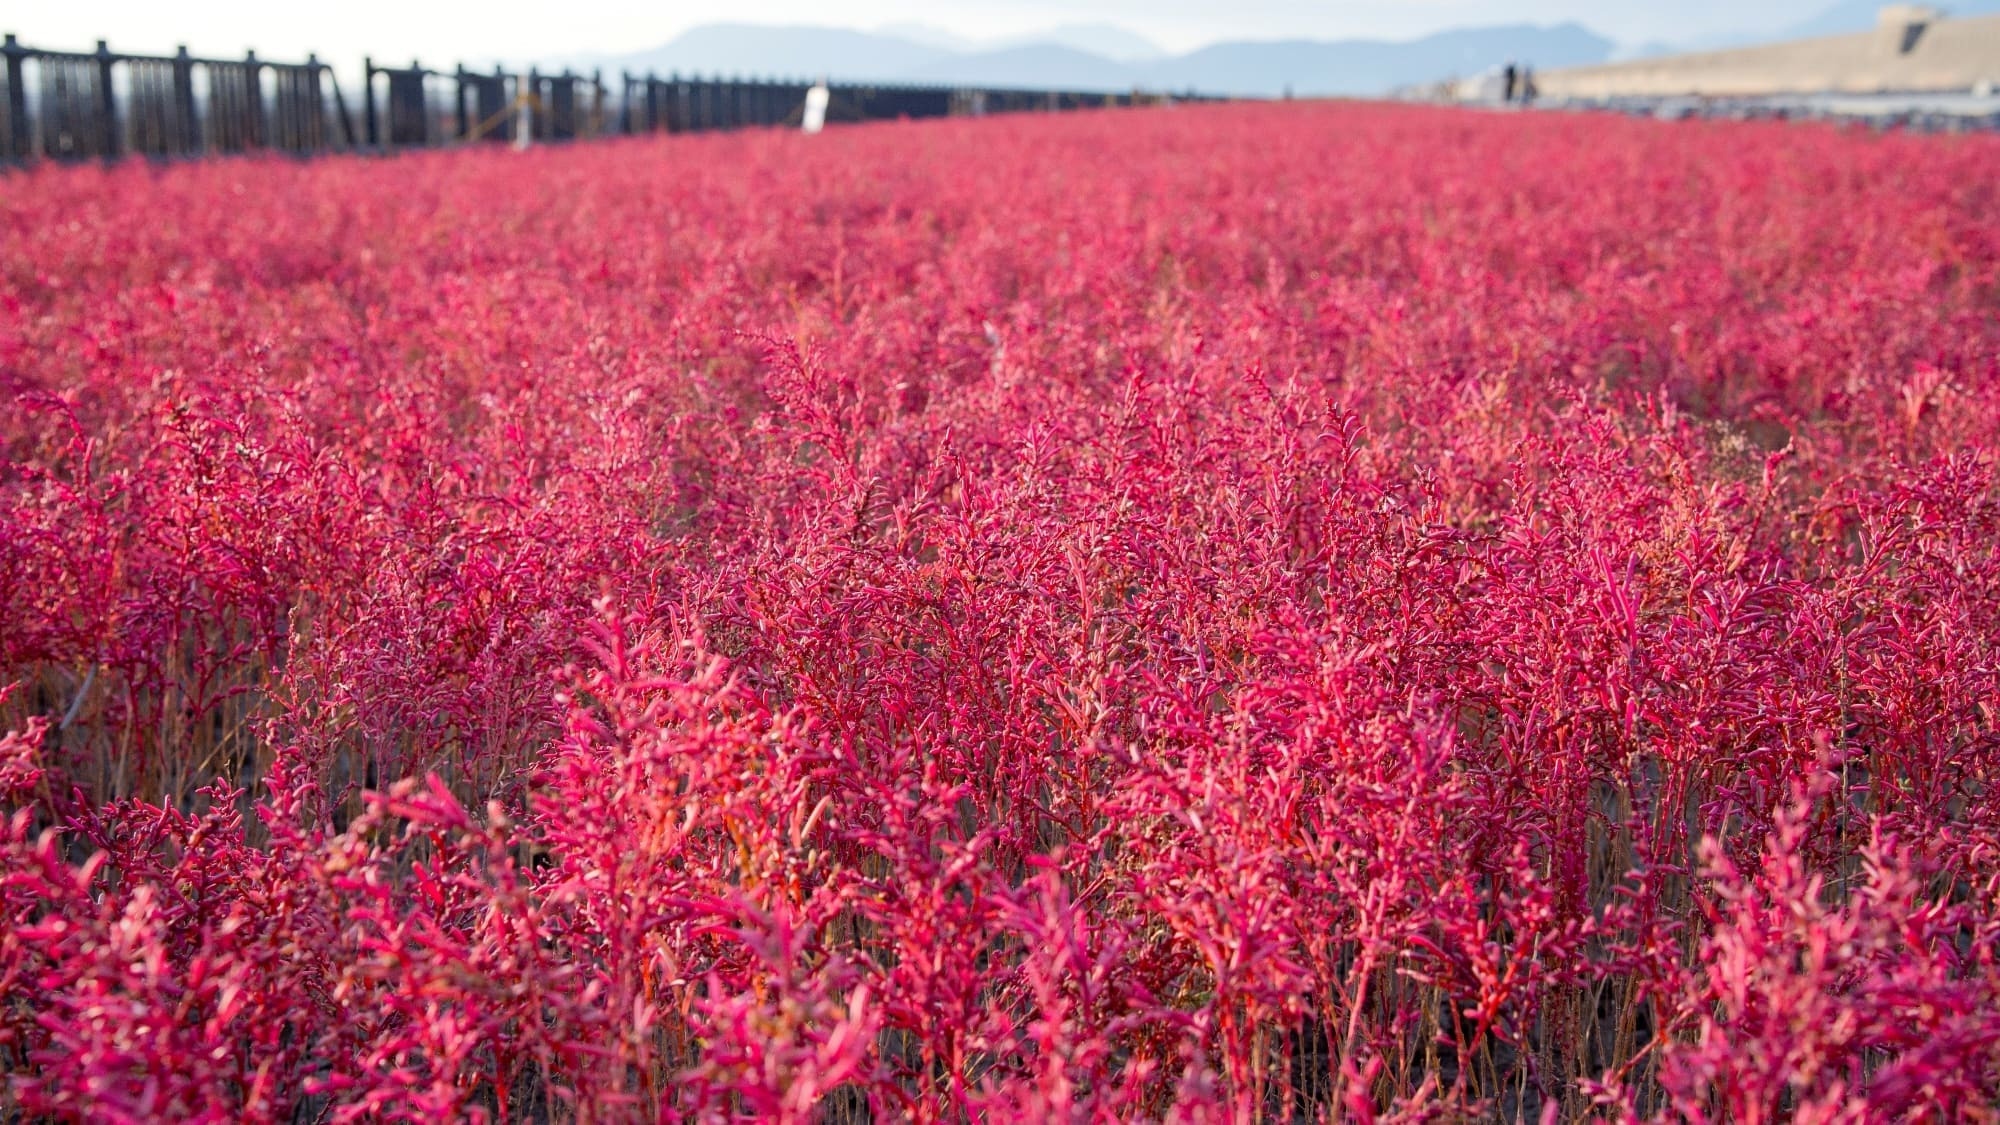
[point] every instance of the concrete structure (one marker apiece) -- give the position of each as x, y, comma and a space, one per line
1912, 50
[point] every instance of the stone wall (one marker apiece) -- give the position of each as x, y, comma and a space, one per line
1910, 51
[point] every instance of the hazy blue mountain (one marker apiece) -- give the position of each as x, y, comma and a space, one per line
1369, 66
1306, 67
754, 50
1109, 40
931, 36
1042, 66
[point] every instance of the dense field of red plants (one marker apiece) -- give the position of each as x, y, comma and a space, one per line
1236, 612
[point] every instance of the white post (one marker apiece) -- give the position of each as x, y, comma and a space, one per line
814, 117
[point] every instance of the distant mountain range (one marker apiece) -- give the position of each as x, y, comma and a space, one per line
1091, 57
1110, 58
1108, 40
1372, 66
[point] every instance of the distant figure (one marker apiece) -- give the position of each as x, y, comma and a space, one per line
1508, 78
1528, 91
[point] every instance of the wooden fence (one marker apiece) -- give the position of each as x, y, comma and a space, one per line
64, 105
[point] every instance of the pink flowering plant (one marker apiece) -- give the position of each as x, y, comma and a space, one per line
1288, 612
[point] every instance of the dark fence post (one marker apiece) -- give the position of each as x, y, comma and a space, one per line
493, 93
409, 108
368, 100
562, 106
538, 114
308, 104
17, 102
253, 93
420, 103
597, 102
107, 103
187, 134
498, 101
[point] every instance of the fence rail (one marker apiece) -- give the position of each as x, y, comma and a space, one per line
103, 104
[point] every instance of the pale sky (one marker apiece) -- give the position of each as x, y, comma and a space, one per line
444, 32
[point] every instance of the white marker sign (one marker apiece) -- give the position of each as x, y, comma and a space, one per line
815, 116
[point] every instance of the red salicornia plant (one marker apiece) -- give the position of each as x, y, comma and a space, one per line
1240, 613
